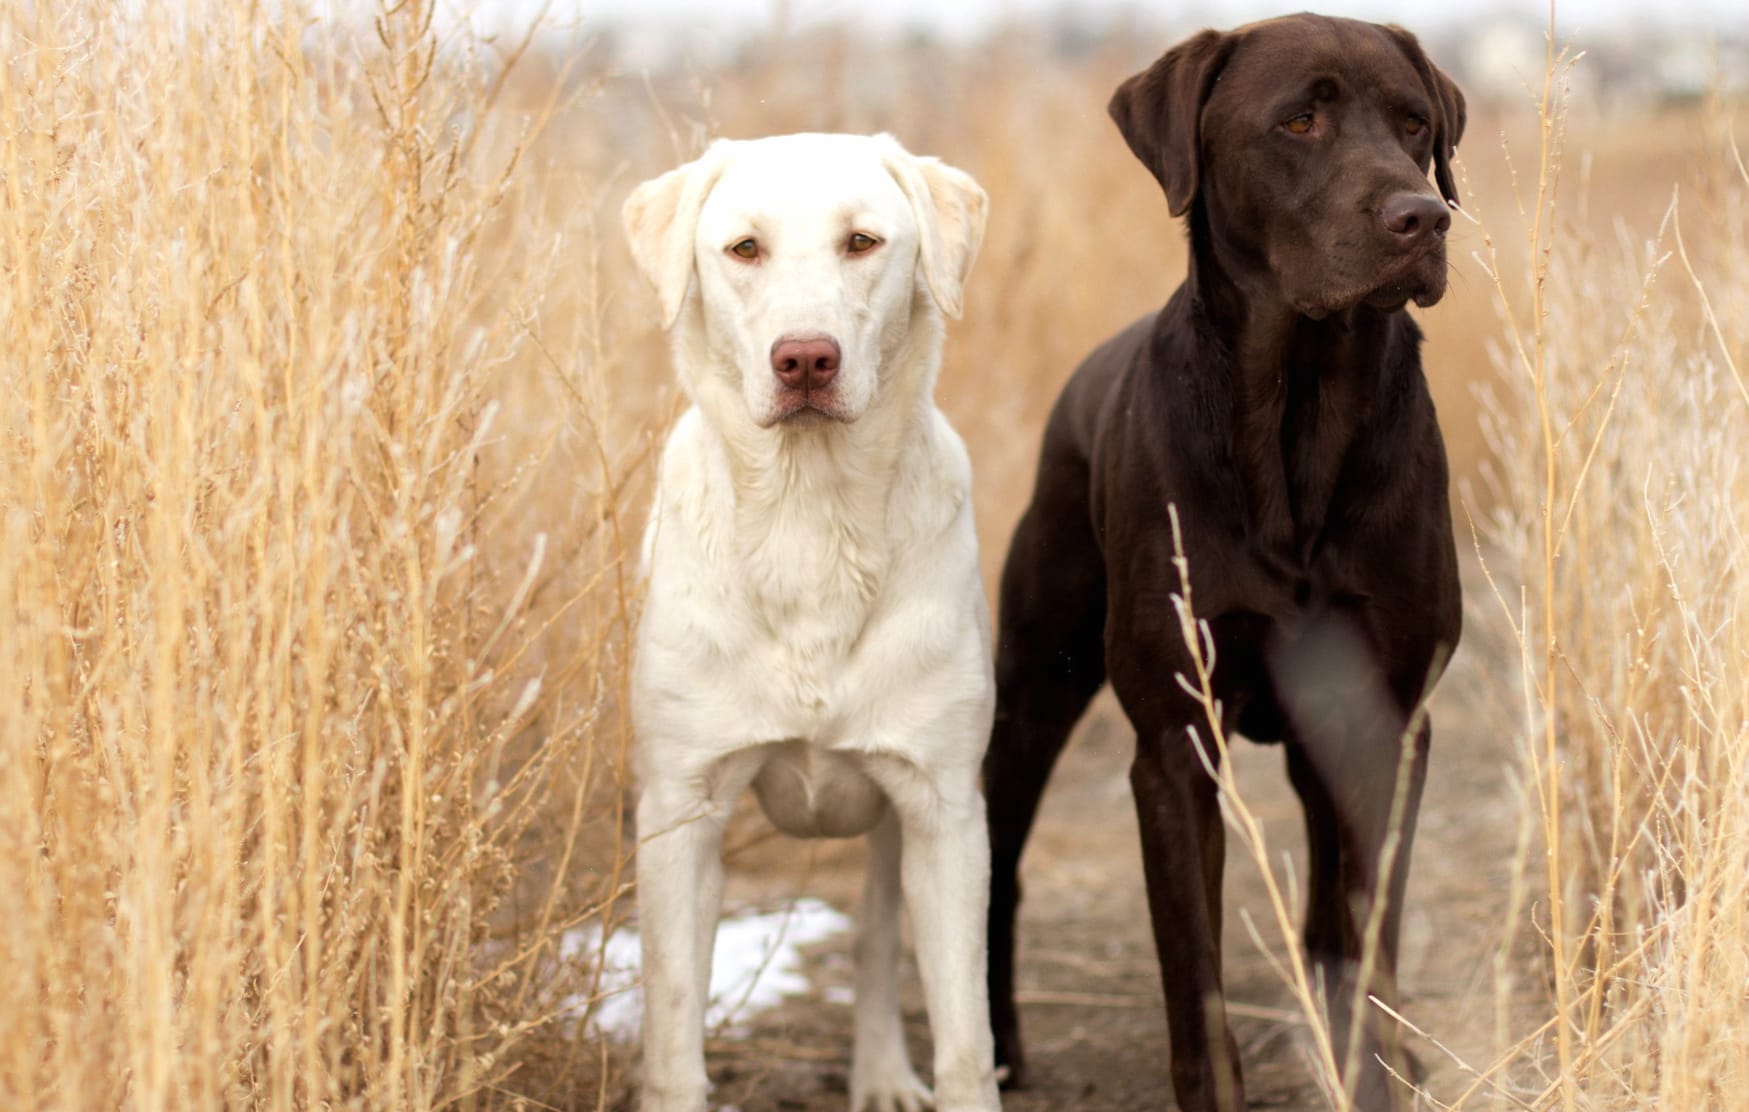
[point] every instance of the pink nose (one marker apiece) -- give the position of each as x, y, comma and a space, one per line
805, 364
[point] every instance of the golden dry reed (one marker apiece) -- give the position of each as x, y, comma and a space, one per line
1617, 547
294, 672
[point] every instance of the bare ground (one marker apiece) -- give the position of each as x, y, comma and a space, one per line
1091, 998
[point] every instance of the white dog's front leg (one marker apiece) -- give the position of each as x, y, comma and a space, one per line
680, 892
881, 1077
946, 876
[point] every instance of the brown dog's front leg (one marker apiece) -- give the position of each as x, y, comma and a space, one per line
1343, 885
1183, 847
1360, 786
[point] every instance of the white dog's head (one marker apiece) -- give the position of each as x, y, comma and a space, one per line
801, 262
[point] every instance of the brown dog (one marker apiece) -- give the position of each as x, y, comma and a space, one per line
1278, 402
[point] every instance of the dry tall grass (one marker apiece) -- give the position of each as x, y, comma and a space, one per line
1619, 555
295, 668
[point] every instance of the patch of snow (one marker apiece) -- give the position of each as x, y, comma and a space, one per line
757, 962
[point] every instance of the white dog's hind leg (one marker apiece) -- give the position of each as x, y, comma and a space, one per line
680, 892
946, 877
881, 1077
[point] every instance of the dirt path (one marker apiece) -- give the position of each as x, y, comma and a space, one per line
1090, 987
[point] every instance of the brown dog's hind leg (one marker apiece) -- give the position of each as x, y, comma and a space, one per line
1049, 665
1183, 853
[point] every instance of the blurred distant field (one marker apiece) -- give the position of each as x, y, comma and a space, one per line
326, 425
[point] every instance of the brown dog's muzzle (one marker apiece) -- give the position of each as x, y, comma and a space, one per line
1415, 224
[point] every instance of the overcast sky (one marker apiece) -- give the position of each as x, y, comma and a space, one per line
967, 16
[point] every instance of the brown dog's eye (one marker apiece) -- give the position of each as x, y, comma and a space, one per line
860, 244
1415, 126
746, 249
1300, 124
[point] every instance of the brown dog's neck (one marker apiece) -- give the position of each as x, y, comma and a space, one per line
1291, 395
1240, 300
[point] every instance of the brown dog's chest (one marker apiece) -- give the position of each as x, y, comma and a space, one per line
1301, 542
1290, 517
1323, 604
1302, 400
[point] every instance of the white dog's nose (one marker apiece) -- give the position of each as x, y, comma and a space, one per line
805, 364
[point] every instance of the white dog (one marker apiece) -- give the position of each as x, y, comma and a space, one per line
815, 624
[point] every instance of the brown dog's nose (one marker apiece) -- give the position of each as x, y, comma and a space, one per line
805, 363
1412, 217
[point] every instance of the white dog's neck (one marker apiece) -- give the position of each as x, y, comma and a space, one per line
811, 501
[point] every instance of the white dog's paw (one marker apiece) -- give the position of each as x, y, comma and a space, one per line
894, 1088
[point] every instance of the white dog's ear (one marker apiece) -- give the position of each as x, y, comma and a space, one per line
951, 210
660, 219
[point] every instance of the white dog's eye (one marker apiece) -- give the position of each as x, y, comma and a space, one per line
746, 249
861, 244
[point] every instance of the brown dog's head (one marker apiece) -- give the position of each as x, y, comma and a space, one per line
1306, 141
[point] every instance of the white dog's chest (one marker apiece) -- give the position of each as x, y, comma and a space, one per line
809, 605
779, 648
811, 596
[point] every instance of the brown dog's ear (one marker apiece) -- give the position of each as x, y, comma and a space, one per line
1448, 110
1159, 112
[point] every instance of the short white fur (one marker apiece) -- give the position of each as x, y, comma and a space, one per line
815, 625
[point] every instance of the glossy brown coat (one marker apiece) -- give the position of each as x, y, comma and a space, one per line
1278, 402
